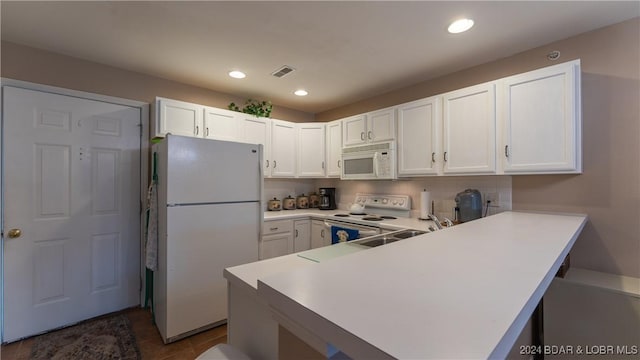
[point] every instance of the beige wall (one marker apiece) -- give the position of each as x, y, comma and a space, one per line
43, 67
609, 189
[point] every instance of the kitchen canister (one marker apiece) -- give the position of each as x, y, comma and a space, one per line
274, 205
314, 200
302, 202
289, 203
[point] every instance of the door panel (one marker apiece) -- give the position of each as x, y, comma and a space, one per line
72, 175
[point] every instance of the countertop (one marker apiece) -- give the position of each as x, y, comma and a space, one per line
395, 224
463, 292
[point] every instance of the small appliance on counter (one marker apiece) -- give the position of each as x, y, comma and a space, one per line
302, 202
274, 205
327, 199
469, 203
314, 200
289, 203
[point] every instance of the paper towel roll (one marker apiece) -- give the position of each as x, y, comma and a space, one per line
425, 204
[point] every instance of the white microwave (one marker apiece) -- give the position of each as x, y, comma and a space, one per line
369, 162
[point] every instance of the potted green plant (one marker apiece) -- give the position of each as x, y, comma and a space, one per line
254, 107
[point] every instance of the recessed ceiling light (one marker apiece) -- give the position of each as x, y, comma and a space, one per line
459, 26
301, 92
237, 74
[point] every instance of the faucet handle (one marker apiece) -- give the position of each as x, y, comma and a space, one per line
448, 223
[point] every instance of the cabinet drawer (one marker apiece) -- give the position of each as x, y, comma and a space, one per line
277, 226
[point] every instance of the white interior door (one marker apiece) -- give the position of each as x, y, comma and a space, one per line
71, 185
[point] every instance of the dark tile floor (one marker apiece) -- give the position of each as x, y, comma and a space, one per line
147, 337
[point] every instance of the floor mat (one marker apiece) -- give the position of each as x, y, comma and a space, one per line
103, 338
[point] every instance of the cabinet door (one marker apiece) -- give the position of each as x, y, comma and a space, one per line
419, 137
302, 235
276, 245
319, 234
178, 118
542, 124
334, 148
354, 130
469, 124
381, 125
220, 124
255, 130
283, 148
311, 162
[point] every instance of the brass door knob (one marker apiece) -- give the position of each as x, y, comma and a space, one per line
14, 233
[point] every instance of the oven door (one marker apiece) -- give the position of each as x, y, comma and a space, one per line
342, 231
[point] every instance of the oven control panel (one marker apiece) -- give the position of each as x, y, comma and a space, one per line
395, 202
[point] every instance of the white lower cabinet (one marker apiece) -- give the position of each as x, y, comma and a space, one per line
277, 238
319, 234
302, 235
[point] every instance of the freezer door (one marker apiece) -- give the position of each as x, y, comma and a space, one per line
203, 240
210, 171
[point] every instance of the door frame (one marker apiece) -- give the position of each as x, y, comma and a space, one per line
144, 165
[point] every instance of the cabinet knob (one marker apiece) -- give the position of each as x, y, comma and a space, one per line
322, 233
197, 129
206, 131
338, 163
275, 164
296, 232
362, 135
433, 157
370, 135
323, 164
267, 163
273, 228
445, 156
506, 151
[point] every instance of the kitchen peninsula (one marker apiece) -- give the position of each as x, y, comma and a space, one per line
462, 292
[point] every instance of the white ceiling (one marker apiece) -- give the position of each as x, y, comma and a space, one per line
343, 51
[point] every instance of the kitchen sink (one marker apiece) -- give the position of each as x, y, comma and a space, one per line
405, 234
388, 238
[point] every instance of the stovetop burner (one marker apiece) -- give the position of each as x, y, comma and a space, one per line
373, 218
341, 215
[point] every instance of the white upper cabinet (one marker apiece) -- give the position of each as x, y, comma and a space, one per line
311, 149
381, 125
469, 130
178, 118
419, 134
372, 127
221, 124
255, 130
354, 130
283, 148
334, 148
542, 121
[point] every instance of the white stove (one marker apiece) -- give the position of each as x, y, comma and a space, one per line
377, 208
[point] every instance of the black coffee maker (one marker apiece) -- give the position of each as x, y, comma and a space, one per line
327, 198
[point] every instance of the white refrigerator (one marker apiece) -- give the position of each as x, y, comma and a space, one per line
209, 218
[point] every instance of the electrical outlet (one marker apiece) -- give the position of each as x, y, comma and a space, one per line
494, 197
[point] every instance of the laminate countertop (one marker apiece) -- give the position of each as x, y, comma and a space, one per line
462, 292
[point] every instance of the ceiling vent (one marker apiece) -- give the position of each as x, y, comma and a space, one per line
284, 70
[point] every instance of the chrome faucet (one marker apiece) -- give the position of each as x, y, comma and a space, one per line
447, 222
434, 218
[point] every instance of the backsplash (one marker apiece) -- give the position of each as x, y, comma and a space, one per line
443, 190
281, 188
